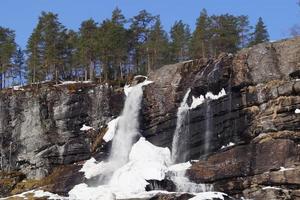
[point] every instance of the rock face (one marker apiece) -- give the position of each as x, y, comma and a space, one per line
40, 128
247, 141
254, 130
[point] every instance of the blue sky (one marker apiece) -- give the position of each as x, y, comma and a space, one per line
22, 15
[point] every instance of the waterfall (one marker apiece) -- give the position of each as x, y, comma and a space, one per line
181, 134
208, 126
126, 133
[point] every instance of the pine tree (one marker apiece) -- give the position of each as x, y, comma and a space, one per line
244, 29
180, 38
157, 48
139, 33
87, 47
225, 34
34, 53
7, 50
117, 17
260, 33
200, 41
19, 69
44, 47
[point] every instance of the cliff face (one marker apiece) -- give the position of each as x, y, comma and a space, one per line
254, 132
40, 128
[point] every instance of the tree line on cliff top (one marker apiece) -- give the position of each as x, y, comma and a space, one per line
118, 47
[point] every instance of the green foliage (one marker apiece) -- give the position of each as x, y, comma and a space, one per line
260, 33
157, 47
200, 42
44, 47
180, 35
7, 50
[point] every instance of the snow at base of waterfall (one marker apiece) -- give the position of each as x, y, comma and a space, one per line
146, 162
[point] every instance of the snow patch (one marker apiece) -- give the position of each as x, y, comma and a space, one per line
271, 188
297, 111
38, 194
282, 169
209, 196
228, 145
86, 128
18, 88
112, 128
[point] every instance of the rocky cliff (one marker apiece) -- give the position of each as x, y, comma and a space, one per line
254, 132
254, 148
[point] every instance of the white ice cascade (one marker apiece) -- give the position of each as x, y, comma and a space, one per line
127, 131
181, 134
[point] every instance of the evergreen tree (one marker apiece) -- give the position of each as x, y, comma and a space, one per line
113, 48
180, 38
200, 41
7, 50
157, 47
244, 29
69, 55
34, 60
117, 17
225, 34
139, 34
19, 69
44, 47
260, 33
87, 47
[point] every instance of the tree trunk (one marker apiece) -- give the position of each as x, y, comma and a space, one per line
56, 75
203, 49
148, 63
92, 66
85, 74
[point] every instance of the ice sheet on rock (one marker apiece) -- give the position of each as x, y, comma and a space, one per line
210, 95
86, 128
197, 101
209, 196
180, 167
112, 128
